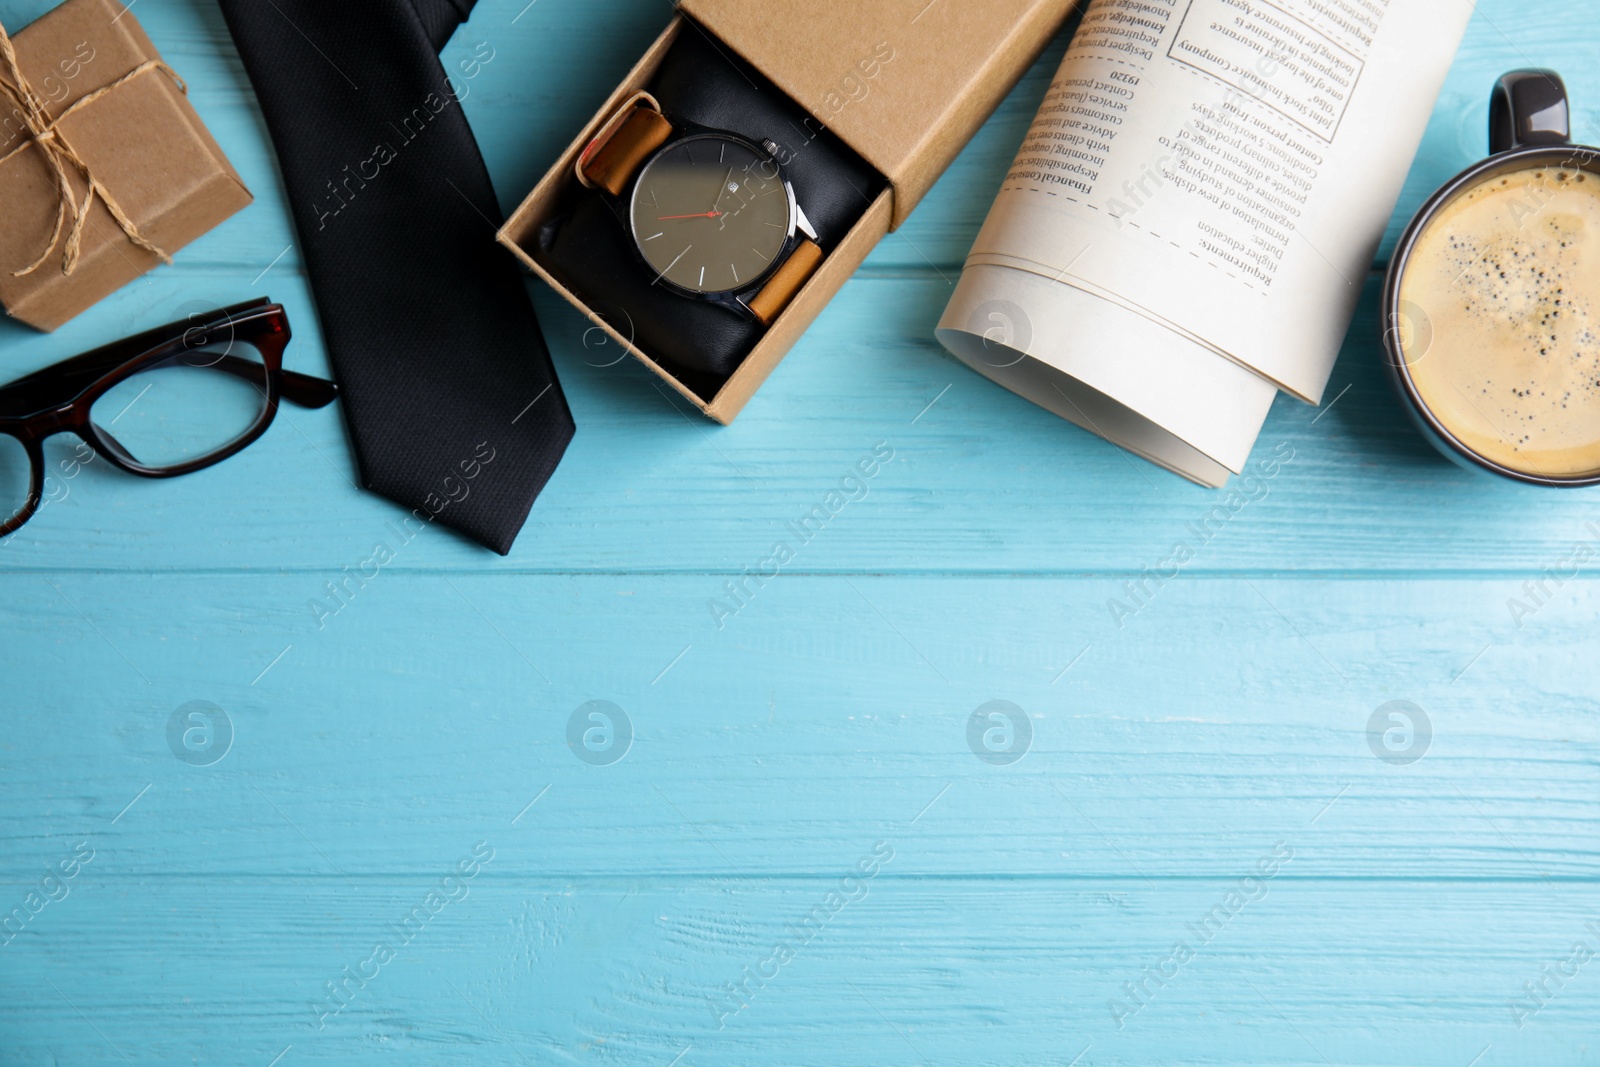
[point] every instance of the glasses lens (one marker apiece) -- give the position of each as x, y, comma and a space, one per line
16, 477
186, 407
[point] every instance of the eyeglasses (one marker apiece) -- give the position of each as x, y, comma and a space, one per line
169, 401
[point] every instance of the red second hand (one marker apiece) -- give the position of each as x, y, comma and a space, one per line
702, 215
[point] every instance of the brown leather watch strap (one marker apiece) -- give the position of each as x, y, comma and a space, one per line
786, 281
609, 162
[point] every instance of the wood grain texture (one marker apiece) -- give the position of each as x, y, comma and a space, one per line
1183, 730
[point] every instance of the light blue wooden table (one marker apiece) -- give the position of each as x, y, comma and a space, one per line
800, 777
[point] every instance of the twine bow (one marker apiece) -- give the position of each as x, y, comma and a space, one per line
45, 132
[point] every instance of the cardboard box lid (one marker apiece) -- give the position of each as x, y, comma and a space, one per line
950, 64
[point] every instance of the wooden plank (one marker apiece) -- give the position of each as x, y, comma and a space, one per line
915, 971
1222, 713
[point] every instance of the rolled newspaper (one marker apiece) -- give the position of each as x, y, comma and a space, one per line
1189, 222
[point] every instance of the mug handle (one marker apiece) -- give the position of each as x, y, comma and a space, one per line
1529, 107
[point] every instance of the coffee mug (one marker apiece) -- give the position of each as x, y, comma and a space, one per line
1491, 306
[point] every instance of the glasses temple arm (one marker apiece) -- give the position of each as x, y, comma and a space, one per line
306, 391
301, 389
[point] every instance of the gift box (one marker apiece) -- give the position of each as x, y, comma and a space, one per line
902, 84
105, 168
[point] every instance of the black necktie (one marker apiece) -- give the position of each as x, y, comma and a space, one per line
449, 393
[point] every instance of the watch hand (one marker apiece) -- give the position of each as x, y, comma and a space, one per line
702, 215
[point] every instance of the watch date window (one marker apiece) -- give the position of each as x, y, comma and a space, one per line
710, 214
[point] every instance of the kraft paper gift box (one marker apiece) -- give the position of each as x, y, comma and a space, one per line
95, 104
953, 61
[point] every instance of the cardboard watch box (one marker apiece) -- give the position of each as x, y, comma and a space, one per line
952, 62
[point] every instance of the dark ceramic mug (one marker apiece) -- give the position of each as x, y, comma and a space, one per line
1529, 127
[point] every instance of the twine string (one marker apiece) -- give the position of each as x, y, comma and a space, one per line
59, 155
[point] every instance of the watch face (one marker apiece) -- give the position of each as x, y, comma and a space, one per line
710, 214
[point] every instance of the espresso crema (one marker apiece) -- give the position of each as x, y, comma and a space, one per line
1500, 308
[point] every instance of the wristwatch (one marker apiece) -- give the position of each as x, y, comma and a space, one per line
712, 214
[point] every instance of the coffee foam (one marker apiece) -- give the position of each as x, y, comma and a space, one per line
1501, 320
